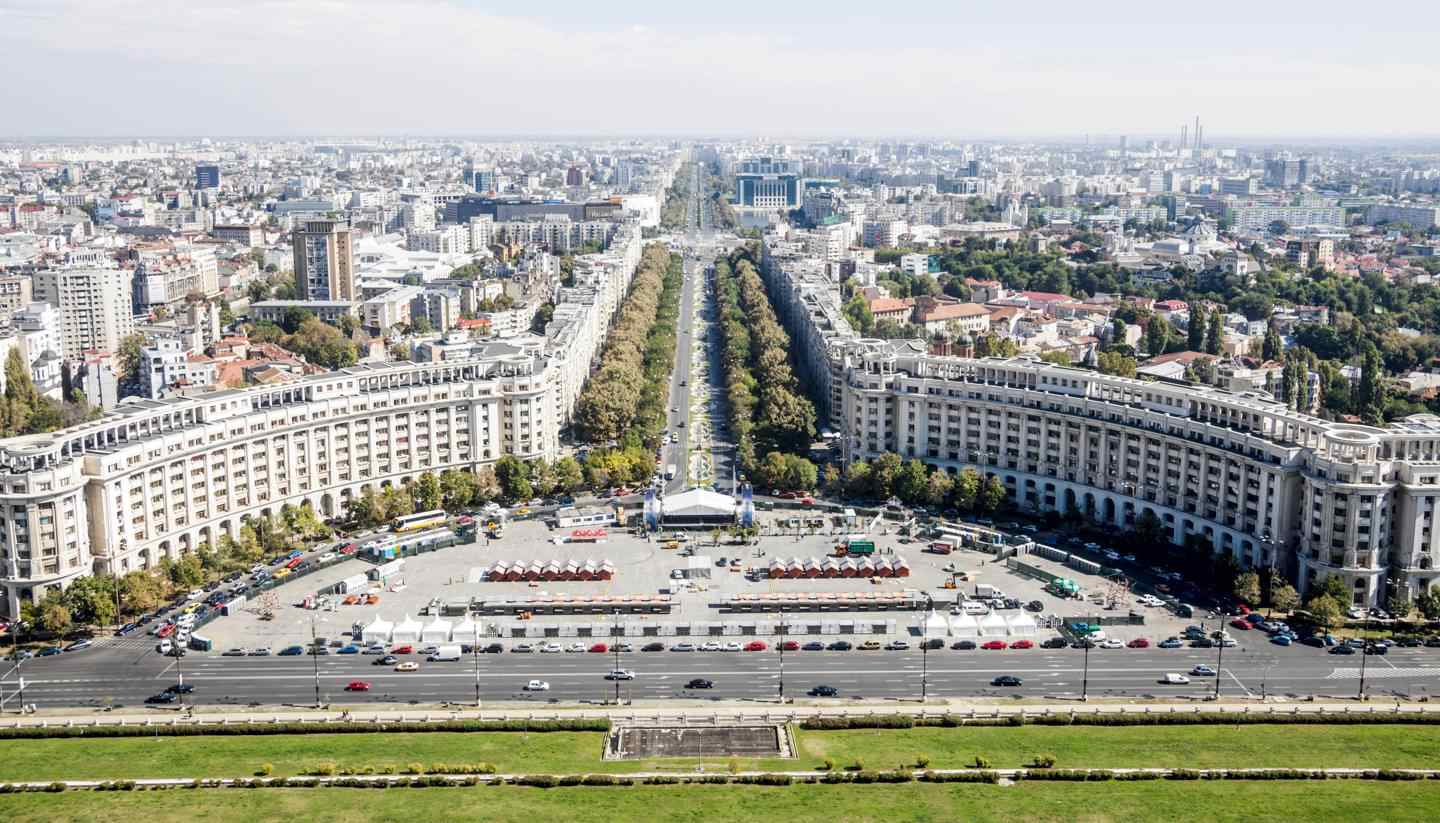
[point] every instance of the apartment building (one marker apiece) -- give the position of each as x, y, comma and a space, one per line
158, 478
95, 307
324, 260
1271, 486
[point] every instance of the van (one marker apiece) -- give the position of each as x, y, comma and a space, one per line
163, 647
444, 654
984, 591
974, 607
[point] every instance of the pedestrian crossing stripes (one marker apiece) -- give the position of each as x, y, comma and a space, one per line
1379, 672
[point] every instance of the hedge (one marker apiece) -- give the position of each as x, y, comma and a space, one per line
243, 729
893, 721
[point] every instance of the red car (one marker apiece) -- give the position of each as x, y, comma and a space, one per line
788, 495
357, 686
1022, 644
403, 650
994, 645
349, 548
1139, 643
599, 648
807, 501
756, 646
165, 630
791, 645
1241, 624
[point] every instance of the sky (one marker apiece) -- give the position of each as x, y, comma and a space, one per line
962, 69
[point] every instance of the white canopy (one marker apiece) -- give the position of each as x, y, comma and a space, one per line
464, 630
935, 625
377, 631
406, 631
1022, 625
436, 631
697, 503
993, 625
963, 625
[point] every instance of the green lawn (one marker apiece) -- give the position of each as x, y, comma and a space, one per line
1089, 802
567, 752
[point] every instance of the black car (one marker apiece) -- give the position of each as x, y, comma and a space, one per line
387, 660
824, 691
840, 646
933, 643
1202, 643
318, 651
180, 688
1313, 640
1376, 648
493, 648
700, 683
1083, 643
1342, 649
653, 647
1034, 606
1408, 642
1054, 643
814, 646
963, 645
1432, 642
1007, 680
163, 697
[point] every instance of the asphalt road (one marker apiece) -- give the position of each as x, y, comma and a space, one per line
125, 673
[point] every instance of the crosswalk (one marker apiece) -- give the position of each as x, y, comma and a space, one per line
1379, 672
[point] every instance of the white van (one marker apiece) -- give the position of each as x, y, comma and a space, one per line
974, 607
444, 653
164, 646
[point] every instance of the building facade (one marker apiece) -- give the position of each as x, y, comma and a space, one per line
324, 260
95, 307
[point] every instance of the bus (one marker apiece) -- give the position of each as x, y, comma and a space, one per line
419, 521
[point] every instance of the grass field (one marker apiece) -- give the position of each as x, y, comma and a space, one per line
1087, 802
566, 752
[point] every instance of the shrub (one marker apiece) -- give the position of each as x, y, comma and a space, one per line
414, 768
57, 786
981, 762
828, 765
733, 766
325, 769
539, 781
1043, 761
859, 764
265, 770
922, 761
661, 780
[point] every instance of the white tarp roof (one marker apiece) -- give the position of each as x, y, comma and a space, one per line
464, 630
377, 631
935, 625
436, 631
963, 625
407, 630
697, 503
1023, 625
993, 625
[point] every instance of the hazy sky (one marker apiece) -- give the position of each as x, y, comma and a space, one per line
956, 68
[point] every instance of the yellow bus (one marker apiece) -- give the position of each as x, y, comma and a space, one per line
419, 521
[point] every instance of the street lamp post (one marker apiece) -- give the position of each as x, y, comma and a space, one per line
1364, 653
475, 653
925, 649
179, 652
115, 579
1219, 659
783, 629
1086, 643
616, 646
315, 657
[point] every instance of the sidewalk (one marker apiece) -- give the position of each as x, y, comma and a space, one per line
698, 713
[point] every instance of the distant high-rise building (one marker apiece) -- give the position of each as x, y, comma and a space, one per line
485, 180
324, 260
1286, 173
1124, 145
207, 176
574, 176
767, 183
95, 307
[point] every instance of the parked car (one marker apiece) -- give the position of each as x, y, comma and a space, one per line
1054, 643
1007, 680
1342, 649
1139, 643
1023, 644
896, 645
994, 645
840, 646
653, 647
790, 646
756, 646
869, 646
291, 651
1111, 643
403, 650
813, 646
963, 645
683, 647
1171, 643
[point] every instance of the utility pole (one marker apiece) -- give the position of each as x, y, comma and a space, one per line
925, 649
1085, 677
783, 631
315, 658
475, 653
1219, 659
616, 646
1364, 653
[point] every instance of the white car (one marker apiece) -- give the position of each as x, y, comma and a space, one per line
163, 647
732, 646
620, 674
1111, 643
683, 647
1174, 679
552, 648
1356, 613
328, 556
577, 647
897, 645
537, 686
712, 646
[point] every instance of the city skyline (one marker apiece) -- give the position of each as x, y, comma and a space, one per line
341, 68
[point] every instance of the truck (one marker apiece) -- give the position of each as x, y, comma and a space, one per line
445, 654
985, 591
670, 471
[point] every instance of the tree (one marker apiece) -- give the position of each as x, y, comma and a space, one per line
994, 494
857, 311
883, 473
54, 616
1428, 604
1215, 334
542, 477
513, 477
1109, 362
1398, 605
457, 489
127, 358
1369, 401
427, 493
1325, 610
322, 344
1273, 346
967, 490
1157, 336
833, 483
187, 572
141, 591
1195, 332
857, 479
938, 487
91, 600
1332, 586
487, 487
569, 477
1247, 588
1284, 598
913, 483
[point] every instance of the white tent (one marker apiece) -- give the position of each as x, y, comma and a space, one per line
934, 625
464, 631
406, 631
993, 625
698, 503
377, 631
1022, 625
963, 625
436, 631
